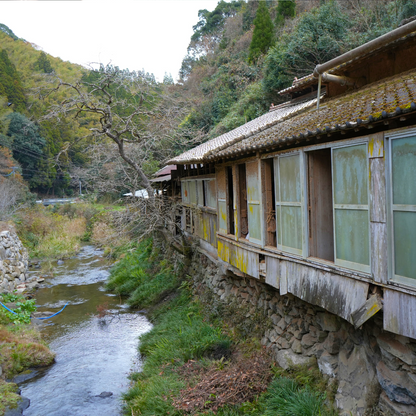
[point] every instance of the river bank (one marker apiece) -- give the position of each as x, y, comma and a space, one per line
49, 234
196, 361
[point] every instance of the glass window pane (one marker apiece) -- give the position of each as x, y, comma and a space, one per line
211, 199
185, 192
253, 186
290, 179
405, 243
352, 240
350, 175
276, 179
291, 226
278, 228
404, 171
254, 221
222, 217
200, 192
192, 191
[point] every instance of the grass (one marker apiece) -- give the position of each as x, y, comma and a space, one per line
183, 334
57, 231
21, 347
8, 396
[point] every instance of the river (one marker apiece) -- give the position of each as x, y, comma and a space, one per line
93, 354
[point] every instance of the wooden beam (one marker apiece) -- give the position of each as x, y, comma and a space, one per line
373, 304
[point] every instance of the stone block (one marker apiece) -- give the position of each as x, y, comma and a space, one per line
296, 345
332, 343
308, 340
397, 385
328, 322
392, 345
356, 374
328, 364
283, 343
275, 318
287, 358
394, 409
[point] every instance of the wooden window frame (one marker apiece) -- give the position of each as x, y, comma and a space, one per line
388, 140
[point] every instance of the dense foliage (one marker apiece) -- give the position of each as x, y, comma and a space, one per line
262, 33
231, 84
240, 55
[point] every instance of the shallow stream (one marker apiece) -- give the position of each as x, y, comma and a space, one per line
93, 354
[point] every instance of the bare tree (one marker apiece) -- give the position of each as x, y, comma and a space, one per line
132, 122
12, 197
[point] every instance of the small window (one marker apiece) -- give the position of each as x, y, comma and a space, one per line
222, 200
210, 194
192, 192
351, 214
185, 192
270, 200
230, 196
200, 193
403, 207
242, 192
289, 223
254, 202
320, 207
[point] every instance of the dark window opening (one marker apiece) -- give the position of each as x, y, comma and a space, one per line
242, 184
270, 201
320, 205
204, 197
230, 200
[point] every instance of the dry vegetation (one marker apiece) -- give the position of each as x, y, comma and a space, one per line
224, 383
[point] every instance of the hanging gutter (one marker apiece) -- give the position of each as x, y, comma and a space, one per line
366, 48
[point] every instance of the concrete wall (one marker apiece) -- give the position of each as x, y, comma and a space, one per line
370, 366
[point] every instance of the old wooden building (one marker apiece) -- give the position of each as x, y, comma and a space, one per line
317, 198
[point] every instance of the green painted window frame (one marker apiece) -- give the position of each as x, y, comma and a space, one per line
281, 205
396, 208
349, 208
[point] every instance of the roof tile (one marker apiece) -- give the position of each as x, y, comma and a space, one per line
367, 104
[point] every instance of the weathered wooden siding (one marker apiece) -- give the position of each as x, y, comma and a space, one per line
273, 272
206, 226
378, 214
333, 292
244, 260
399, 313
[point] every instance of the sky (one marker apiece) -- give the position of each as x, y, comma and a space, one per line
136, 34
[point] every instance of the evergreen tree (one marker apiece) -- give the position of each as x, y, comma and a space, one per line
10, 84
262, 34
285, 9
27, 145
43, 64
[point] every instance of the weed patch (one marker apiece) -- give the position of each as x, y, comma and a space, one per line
193, 362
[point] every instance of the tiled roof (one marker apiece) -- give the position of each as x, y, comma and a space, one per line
308, 80
378, 101
201, 152
300, 83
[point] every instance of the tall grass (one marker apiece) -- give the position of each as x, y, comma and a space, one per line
50, 235
181, 333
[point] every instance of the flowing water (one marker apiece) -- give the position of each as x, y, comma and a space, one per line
93, 354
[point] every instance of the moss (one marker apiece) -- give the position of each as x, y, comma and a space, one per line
8, 396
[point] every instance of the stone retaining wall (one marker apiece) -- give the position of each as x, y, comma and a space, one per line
371, 367
13, 262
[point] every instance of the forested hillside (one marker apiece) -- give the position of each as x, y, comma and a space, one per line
240, 55
34, 145
234, 70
